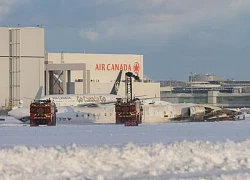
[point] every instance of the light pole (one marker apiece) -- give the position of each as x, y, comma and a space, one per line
191, 82
170, 84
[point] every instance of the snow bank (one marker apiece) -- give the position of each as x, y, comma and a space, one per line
180, 160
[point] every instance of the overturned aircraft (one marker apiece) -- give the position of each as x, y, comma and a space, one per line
153, 112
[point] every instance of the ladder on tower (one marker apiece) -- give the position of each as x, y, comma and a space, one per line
129, 88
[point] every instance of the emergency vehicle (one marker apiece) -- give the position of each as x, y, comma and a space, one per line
128, 111
43, 112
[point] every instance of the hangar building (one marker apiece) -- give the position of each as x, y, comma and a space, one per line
25, 67
21, 64
100, 73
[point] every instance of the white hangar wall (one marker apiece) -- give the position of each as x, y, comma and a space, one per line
145, 90
103, 71
21, 64
103, 67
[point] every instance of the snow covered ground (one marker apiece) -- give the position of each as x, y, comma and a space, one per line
212, 150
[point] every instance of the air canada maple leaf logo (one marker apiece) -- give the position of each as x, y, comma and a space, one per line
136, 67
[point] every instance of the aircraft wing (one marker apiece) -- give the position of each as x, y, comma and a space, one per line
92, 104
141, 96
109, 102
210, 107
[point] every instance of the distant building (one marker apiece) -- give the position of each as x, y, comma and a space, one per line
208, 89
204, 77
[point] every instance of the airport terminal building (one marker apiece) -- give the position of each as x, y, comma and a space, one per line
208, 89
26, 67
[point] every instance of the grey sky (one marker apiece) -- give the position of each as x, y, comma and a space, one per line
176, 37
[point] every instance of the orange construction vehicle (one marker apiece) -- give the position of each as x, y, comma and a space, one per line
43, 112
129, 111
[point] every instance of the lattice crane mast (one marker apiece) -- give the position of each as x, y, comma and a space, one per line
129, 111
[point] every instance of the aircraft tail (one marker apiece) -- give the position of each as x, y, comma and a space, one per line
116, 84
39, 93
38, 96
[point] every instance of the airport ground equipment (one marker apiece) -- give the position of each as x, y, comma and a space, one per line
43, 112
129, 110
237, 115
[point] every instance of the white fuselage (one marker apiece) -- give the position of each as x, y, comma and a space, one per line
65, 104
75, 100
65, 115
103, 113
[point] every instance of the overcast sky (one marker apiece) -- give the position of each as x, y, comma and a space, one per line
176, 37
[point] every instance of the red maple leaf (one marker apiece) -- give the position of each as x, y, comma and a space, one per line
136, 67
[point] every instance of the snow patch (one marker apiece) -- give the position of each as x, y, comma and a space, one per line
181, 160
